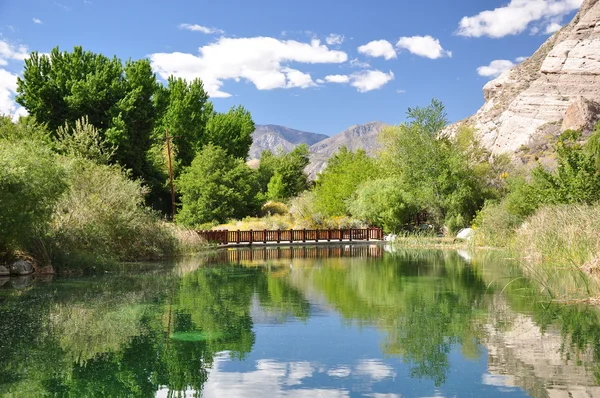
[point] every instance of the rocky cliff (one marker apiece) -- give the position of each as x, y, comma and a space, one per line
557, 88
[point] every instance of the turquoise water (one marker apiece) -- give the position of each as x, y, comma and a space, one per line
312, 322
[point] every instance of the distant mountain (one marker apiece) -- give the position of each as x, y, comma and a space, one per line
363, 136
273, 137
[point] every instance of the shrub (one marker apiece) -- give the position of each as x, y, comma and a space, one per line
102, 216
272, 208
31, 183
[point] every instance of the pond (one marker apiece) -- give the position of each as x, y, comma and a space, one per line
326, 321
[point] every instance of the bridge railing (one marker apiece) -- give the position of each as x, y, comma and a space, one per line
224, 237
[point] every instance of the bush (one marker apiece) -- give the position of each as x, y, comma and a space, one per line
273, 208
31, 183
495, 225
561, 235
102, 216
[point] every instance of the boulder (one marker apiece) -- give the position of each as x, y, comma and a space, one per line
4, 271
582, 114
465, 234
21, 267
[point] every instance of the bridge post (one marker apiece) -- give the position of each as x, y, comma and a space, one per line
237, 236
304, 235
251, 236
351, 234
265, 236
328, 234
278, 235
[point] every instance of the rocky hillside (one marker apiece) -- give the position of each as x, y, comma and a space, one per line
362, 136
557, 88
273, 137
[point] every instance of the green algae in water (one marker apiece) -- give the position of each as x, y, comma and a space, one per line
196, 336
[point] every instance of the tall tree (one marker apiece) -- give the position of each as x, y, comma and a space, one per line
231, 131
63, 87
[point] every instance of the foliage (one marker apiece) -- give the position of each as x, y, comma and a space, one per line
384, 203
231, 131
217, 187
83, 141
103, 215
442, 173
344, 172
183, 108
31, 183
290, 170
62, 87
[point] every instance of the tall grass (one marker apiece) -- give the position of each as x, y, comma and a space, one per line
565, 236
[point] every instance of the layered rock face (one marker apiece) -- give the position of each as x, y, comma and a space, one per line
559, 86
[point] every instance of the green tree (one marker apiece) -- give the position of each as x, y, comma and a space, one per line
440, 175
217, 187
62, 87
184, 109
231, 131
344, 172
384, 203
290, 166
83, 141
276, 188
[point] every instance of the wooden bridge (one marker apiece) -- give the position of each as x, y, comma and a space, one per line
226, 237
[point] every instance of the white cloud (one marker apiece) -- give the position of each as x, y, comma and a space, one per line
37, 21
424, 46
515, 17
334, 39
337, 79
370, 80
8, 88
495, 68
200, 28
521, 59
356, 63
9, 52
552, 28
260, 60
378, 48
400, 91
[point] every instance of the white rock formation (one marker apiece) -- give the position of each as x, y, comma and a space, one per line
564, 71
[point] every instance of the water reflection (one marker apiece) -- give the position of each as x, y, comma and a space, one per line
338, 322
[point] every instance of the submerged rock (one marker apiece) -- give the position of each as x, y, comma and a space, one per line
21, 267
4, 271
21, 282
4, 280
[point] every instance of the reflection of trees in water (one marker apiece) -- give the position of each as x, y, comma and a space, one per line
425, 301
106, 336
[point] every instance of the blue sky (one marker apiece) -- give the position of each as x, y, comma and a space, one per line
317, 66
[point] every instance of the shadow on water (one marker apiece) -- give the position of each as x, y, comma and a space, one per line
162, 332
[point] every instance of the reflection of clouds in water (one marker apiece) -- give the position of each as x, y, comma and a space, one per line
377, 370
272, 378
342, 371
266, 381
